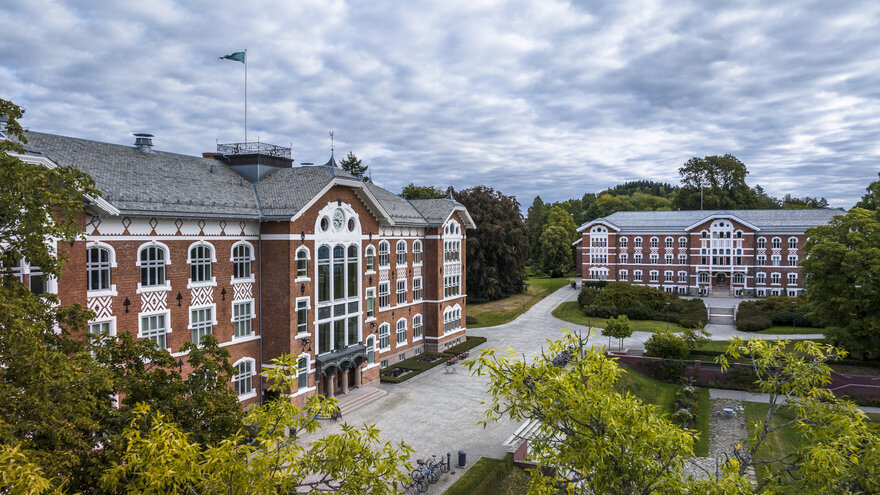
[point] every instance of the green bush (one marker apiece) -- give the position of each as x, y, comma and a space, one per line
587, 295
667, 345
469, 343
601, 311
668, 370
470, 320
753, 316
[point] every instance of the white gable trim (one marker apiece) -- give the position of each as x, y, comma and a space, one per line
468, 221
719, 216
363, 192
100, 202
598, 221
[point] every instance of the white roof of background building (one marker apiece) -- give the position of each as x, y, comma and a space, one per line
684, 220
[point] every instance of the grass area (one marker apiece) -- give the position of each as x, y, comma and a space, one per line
788, 330
778, 443
483, 478
515, 483
701, 446
492, 313
571, 312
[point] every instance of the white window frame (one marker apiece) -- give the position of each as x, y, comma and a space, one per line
110, 290
792, 278
654, 276
386, 294
240, 260
192, 325
384, 256
775, 278
792, 243
398, 327
401, 253
212, 258
243, 318
167, 319
302, 275
417, 252
637, 275
622, 275
370, 296
417, 289
166, 285
384, 333
370, 259
303, 368
239, 377
401, 291
418, 327
302, 328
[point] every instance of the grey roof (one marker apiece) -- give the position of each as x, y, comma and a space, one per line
782, 220
157, 182
161, 183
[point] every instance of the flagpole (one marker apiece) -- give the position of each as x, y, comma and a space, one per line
245, 95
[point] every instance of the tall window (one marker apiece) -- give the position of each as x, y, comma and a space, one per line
370, 258
637, 258
451, 251
668, 276
353, 333
384, 293
451, 319
401, 252
384, 332
777, 243
417, 289
761, 278
244, 378
775, 278
637, 242
776, 260
152, 266
669, 243
623, 242
241, 319
762, 242
682, 242
302, 316
682, 277
154, 328
622, 275
654, 259
655, 242
352, 274
241, 261
738, 278
417, 252
98, 268
384, 247
371, 350
682, 259
654, 275
668, 259
792, 279
338, 272
401, 291
792, 260
451, 285
760, 260
302, 263
417, 327
371, 303
324, 273
200, 263
792, 242
401, 331
201, 323
325, 341
302, 372
624, 258
637, 275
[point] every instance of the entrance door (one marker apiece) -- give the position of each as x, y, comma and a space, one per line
721, 280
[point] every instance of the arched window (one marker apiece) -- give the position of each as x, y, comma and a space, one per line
401, 252
417, 327
384, 248
623, 242
371, 350
637, 242
739, 234
200, 257
762, 242
704, 278
451, 318
338, 272
98, 268
152, 260
302, 262
655, 242
302, 371
241, 260
792, 242
417, 252
682, 242
704, 234
370, 258
243, 380
669, 243
384, 332
401, 331
738, 278
777, 243
324, 273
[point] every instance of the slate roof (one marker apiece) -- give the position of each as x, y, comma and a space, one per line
774, 220
161, 183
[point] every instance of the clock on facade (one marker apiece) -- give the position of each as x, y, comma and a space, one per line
338, 219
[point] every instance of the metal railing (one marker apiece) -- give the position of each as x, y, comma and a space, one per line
253, 148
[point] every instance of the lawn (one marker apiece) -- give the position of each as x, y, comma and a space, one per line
663, 395
482, 478
571, 312
788, 330
492, 313
776, 444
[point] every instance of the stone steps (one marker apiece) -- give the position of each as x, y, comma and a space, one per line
357, 398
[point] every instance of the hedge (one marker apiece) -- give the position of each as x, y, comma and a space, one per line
754, 316
639, 302
417, 367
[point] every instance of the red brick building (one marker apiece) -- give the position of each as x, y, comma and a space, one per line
714, 253
267, 257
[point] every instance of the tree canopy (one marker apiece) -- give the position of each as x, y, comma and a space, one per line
498, 248
412, 191
352, 164
871, 200
556, 259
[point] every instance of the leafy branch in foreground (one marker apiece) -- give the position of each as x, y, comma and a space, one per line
268, 457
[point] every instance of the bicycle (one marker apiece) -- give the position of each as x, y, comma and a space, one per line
415, 486
428, 470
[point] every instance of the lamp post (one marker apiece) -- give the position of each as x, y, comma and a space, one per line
794, 318
667, 316
524, 288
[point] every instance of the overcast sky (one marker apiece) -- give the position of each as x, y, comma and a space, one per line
544, 97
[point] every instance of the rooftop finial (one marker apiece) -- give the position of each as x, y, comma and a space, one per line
331, 143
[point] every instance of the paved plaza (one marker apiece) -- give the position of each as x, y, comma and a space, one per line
437, 412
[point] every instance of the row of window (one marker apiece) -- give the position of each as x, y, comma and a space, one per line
654, 242
717, 258
385, 332
776, 260
776, 242
703, 277
153, 258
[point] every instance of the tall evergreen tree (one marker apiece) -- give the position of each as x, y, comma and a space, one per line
498, 248
535, 218
352, 164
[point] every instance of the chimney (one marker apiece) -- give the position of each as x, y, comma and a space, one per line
144, 142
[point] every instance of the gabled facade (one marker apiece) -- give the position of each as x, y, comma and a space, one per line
268, 258
710, 253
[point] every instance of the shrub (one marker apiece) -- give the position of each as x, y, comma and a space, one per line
667, 345
753, 323
587, 295
600, 311
668, 370
753, 316
470, 320
599, 284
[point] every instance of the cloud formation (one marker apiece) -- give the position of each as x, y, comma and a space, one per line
544, 97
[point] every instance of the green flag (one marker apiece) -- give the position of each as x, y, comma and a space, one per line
237, 56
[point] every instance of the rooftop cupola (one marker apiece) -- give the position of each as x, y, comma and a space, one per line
143, 142
254, 160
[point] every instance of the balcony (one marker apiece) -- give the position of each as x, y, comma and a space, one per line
341, 359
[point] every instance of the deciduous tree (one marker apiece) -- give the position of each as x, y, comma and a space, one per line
722, 180
555, 251
412, 191
871, 199
498, 248
618, 327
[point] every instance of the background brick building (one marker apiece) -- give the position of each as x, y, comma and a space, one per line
268, 258
712, 253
